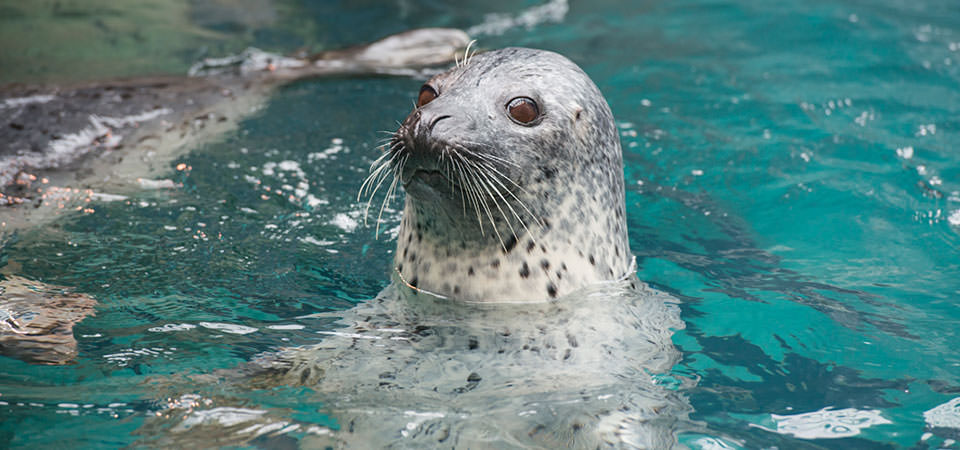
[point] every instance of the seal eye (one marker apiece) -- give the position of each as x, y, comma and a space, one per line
427, 94
524, 110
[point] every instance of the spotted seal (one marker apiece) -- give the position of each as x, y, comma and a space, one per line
513, 173
512, 169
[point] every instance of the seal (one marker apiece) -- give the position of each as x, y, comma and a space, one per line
513, 173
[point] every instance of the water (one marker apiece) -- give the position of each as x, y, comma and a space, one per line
792, 186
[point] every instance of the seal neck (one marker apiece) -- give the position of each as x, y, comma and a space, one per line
442, 251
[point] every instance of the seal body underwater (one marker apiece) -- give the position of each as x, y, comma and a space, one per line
513, 171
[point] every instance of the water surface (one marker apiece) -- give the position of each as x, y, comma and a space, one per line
792, 183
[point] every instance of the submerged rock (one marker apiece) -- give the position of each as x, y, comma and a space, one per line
37, 319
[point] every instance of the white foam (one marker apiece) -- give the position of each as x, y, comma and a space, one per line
156, 184
21, 101
826, 423
712, 443
250, 60
170, 327
290, 326
133, 119
954, 218
344, 222
498, 23
228, 327
315, 241
349, 335
71, 146
225, 416
107, 197
946, 415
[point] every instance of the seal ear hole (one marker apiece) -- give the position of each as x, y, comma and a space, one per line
576, 116
523, 110
427, 94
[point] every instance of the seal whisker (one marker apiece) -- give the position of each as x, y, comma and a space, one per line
486, 207
488, 187
472, 192
377, 170
490, 181
460, 177
387, 153
381, 177
480, 183
484, 156
488, 165
447, 169
510, 191
380, 169
390, 192
466, 53
370, 180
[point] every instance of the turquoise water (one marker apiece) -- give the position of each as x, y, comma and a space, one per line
792, 181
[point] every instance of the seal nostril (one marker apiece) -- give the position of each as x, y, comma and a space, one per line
433, 122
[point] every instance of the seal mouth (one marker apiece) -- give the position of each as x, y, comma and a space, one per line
430, 177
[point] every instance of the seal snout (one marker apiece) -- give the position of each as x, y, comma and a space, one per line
424, 128
421, 141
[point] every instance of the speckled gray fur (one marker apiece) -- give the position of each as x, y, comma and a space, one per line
561, 226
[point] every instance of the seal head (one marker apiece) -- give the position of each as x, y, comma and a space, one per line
513, 171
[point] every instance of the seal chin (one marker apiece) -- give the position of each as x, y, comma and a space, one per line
428, 182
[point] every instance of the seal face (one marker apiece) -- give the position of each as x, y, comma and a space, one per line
513, 171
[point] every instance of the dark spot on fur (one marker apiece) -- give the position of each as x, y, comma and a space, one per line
413, 282
495, 264
536, 430
525, 271
530, 246
304, 375
473, 378
472, 343
592, 261
552, 289
400, 267
548, 172
510, 244
545, 264
470, 271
